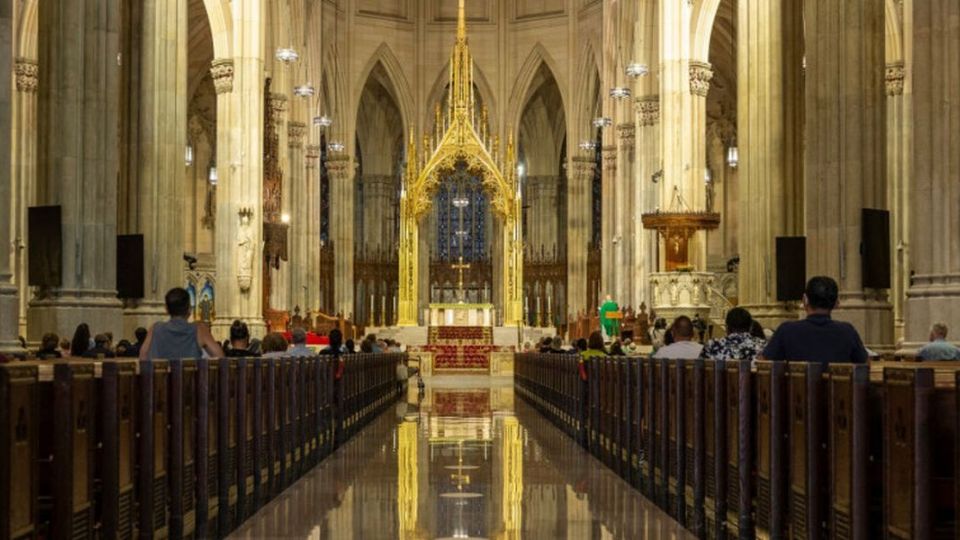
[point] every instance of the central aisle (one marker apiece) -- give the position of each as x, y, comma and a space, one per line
464, 461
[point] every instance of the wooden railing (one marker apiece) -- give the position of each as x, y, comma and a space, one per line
125, 449
798, 450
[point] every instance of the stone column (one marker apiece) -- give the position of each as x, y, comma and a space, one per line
645, 194
934, 293
898, 193
297, 200
768, 67
684, 84
845, 164
239, 244
312, 218
77, 162
280, 289
9, 295
624, 256
578, 232
608, 221
162, 171
24, 156
341, 173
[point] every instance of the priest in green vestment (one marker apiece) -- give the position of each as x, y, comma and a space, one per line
611, 327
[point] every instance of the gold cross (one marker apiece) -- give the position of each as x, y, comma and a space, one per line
460, 267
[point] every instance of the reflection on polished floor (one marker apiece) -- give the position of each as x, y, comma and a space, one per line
466, 462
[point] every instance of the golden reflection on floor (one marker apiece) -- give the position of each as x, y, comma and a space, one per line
466, 462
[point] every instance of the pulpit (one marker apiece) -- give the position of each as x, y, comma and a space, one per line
460, 315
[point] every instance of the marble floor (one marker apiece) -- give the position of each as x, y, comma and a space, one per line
464, 460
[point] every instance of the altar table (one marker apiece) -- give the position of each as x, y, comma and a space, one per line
460, 315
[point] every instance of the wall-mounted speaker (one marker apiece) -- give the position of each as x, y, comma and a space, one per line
875, 248
130, 266
791, 268
45, 246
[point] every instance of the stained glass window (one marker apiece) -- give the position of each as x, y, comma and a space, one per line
462, 209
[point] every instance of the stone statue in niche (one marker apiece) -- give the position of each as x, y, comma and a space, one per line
245, 250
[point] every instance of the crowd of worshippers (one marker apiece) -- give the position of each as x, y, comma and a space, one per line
816, 338
177, 338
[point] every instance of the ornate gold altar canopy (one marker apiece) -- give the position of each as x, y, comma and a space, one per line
461, 143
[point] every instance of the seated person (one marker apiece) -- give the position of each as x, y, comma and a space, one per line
739, 343
100, 342
818, 338
274, 345
682, 346
240, 341
49, 347
939, 348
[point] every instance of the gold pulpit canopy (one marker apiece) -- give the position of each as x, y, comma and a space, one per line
676, 226
458, 144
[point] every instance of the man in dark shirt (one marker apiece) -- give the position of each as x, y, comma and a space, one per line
818, 338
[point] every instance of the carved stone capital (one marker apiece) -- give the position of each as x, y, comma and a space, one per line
296, 132
278, 102
627, 133
313, 155
27, 73
339, 167
221, 69
648, 109
893, 77
584, 167
701, 73
609, 154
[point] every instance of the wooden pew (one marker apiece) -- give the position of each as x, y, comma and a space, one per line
227, 442
807, 498
648, 463
676, 436
152, 484
118, 448
19, 443
694, 422
906, 438
715, 449
771, 458
183, 409
849, 452
207, 459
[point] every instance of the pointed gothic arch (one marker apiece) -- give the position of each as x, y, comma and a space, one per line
538, 56
398, 85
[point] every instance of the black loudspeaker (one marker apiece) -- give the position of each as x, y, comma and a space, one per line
791, 268
45, 249
130, 266
875, 248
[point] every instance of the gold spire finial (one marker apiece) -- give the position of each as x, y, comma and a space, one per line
461, 22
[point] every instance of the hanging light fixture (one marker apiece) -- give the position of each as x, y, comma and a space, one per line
212, 174
733, 155
588, 145
707, 175
285, 218
636, 70
323, 121
620, 92
304, 90
287, 55
335, 146
521, 169
188, 155
602, 122
461, 202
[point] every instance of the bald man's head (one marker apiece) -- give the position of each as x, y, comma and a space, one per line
682, 328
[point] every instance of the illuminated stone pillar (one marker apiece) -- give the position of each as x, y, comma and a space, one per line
239, 230
24, 157
341, 173
78, 157
162, 171
297, 199
578, 232
313, 227
769, 79
646, 195
845, 163
934, 293
898, 189
9, 295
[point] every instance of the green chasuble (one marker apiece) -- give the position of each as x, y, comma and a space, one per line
611, 327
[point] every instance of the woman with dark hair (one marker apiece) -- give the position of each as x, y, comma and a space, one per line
595, 349
581, 345
48, 347
81, 341
240, 346
756, 330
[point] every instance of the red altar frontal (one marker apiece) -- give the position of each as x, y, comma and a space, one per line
458, 349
